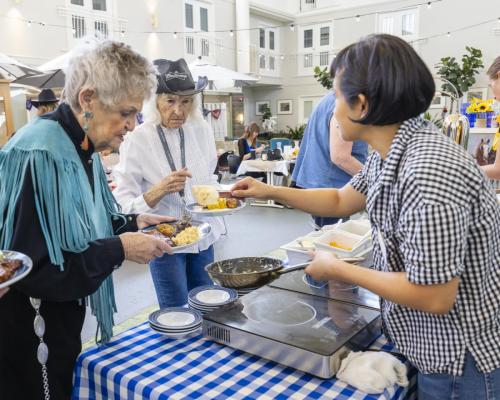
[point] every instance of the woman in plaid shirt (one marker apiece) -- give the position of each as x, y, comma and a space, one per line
435, 222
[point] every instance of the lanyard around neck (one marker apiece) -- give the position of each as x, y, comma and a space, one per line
168, 153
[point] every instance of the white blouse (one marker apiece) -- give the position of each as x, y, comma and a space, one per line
143, 164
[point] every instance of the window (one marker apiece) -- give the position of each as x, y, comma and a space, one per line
205, 49
102, 27
400, 23
323, 58
262, 38
189, 44
308, 108
324, 36
77, 2
78, 26
262, 61
99, 5
308, 38
204, 19
408, 25
388, 25
271, 40
271, 62
308, 60
188, 9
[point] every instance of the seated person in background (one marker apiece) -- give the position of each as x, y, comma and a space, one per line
47, 102
248, 144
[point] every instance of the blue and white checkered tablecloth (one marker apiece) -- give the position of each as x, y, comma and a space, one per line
142, 364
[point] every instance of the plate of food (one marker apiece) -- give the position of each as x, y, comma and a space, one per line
14, 266
180, 234
214, 203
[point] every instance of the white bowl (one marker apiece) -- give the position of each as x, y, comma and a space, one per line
356, 227
349, 245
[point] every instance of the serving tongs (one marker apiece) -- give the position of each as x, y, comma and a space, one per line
186, 215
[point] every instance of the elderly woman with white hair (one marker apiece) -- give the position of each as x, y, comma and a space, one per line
56, 207
160, 162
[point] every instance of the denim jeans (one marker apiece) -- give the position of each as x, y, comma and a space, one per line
473, 384
175, 275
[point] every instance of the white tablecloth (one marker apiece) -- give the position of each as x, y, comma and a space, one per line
263, 166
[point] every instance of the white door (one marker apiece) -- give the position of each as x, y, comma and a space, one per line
306, 106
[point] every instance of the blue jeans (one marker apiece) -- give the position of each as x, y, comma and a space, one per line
175, 275
473, 384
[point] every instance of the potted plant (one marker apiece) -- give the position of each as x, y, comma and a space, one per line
296, 133
323, 77
459, 78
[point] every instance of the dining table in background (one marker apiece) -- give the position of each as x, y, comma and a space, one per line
270, 168
143, 364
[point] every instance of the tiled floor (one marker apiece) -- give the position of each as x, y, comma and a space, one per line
254, 231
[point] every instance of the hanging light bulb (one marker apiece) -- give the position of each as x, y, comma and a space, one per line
122, 33
29, 24
43, 23
292, 27
231, 33
282, 57
175, 35
74, 31
358, 18
448, 34
429, 5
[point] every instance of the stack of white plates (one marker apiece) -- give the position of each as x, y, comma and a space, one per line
243, 291
176, 322
211, 297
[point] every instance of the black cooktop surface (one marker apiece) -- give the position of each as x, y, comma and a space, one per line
335, 290
312, 323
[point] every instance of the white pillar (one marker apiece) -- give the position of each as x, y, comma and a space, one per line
242, 36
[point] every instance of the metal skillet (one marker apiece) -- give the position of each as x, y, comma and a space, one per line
251, 272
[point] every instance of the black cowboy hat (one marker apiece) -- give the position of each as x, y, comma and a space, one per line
45, 96
174, 77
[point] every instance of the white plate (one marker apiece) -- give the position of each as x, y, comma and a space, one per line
176, 318
22, 271
213, 296
193, 209
204, 230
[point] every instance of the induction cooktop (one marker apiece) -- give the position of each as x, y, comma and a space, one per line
308, 332
297, 281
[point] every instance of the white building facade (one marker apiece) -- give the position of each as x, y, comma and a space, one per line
280, 41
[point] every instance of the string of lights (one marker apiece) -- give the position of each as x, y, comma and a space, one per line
216, 42
231, 32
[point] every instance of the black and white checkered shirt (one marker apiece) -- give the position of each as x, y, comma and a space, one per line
438, 218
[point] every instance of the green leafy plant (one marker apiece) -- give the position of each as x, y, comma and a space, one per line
323, 77
266, 113
435, 119
461, 76
296, 133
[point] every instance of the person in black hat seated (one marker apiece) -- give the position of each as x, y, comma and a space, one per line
160, 161
47, 102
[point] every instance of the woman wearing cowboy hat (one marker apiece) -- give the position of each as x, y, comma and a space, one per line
159, 162
47, 102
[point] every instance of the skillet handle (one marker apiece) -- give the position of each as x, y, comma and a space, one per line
294, 268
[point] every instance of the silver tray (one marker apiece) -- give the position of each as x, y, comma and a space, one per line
203, 227
21, 272
191, 208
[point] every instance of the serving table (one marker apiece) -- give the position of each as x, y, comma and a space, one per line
143, 364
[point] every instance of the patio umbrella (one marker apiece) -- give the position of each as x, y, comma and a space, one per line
10, 67
47, 80
216, 73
